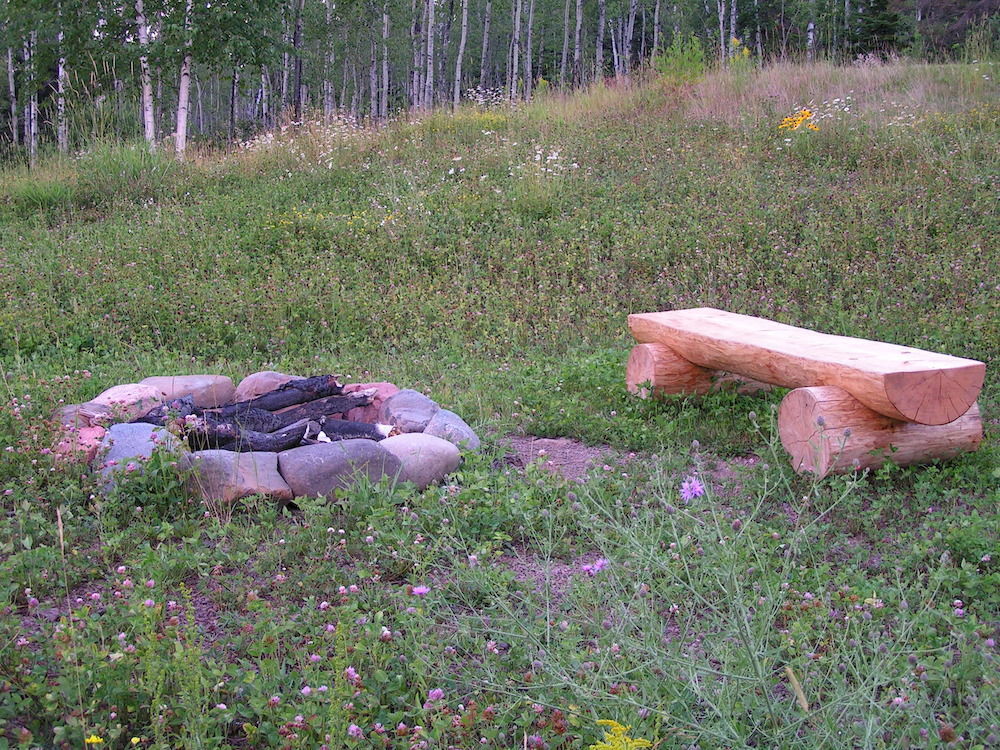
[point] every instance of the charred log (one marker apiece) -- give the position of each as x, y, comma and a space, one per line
177, 408
297, 391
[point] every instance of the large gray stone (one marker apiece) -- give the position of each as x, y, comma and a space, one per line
425, 458
408, 410
448, 425
229, 476
125, 447
208, 391
324, 468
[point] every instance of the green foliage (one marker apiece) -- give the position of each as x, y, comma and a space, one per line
490, 259
133, 174
683, 61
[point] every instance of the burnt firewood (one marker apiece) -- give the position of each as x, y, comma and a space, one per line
230, 437
246, 418
297, 391
176, 408
341, 429
325, 407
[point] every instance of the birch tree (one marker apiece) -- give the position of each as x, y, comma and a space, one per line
457, 89
145, 76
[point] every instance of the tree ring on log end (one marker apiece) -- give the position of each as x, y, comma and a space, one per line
935, 397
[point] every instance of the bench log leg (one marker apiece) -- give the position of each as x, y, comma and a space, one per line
826, 430
658, 365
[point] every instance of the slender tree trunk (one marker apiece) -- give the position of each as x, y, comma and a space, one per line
759, 41
528, 72
721, 7
484, 78
642, 35
615, 54
416, 42
429, 80
602, 11
327, 88
373, 107
384, 100
31, 121
565, 48
297, 44
184, 88
145, 76
732, 27
15, 133
578, 45
515, 49
457, 89
286, 62
62, 126
656, 28
234, 91
441, 77
629, 34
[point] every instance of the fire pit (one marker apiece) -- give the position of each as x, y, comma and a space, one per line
273, 434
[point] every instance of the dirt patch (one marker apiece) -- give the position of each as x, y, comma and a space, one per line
570, 458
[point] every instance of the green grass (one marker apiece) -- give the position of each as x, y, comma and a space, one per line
490, 259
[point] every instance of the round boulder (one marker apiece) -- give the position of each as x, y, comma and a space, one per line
130, 400
324, 468
229, 476
207, 391
260, 383
425, 459
448, 425
407, 411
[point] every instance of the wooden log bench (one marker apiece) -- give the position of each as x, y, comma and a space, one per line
856, 403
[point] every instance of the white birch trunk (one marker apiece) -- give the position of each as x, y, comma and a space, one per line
31, 119
515, 49
373, 88
602, 12
184, 88
615, 60
721, 7
578, 45
429, 77
297, 43
811, 41
15, 133
732, 27
484, 60
565, 48
528, 72
457, 90
384, 98
145, 77
656, 28
62, 126
629, 34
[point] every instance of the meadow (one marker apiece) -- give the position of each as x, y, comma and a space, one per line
693, 589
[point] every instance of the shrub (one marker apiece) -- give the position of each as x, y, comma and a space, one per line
683, 61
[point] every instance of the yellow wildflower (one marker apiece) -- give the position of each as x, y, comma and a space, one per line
94, 740
618, 739
796, 121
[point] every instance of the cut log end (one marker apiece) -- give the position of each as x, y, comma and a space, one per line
826, 430
937, 397
655, 370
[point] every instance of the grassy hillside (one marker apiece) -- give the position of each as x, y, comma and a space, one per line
490, 258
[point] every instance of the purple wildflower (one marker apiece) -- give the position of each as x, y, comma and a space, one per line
592, 569
355, 731
691, 488
421, 590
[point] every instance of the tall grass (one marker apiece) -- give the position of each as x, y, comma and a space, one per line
490, 258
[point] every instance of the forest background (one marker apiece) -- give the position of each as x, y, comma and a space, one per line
80, 71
